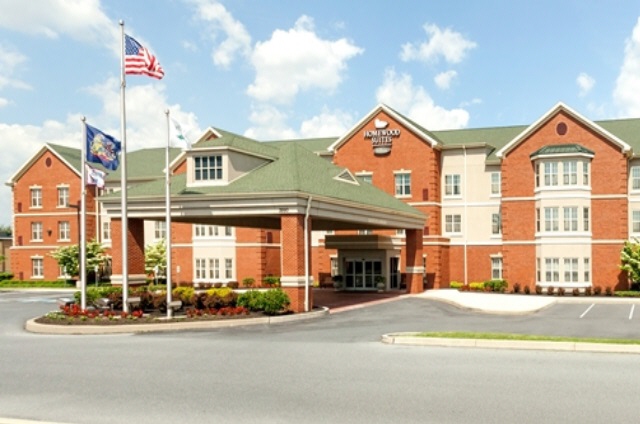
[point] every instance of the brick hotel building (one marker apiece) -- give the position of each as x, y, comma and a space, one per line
545, 204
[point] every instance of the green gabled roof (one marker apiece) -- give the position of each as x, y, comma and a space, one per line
237, 142
628, 130
559, 149
316, 145
141, 164
296, 169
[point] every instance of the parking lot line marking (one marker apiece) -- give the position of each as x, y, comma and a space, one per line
631, 312
588, 309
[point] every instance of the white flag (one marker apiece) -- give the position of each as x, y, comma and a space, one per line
180, 135
94, 176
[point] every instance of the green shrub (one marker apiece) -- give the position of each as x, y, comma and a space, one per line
275, 301
252, 300
271, 281
627, 293
220, 298
455, 285
6, 275
476, 286
496, 285
33, 284
248, 282
185, 294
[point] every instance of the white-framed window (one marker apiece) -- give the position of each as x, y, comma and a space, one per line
228, 268
538, 270
585, 219
570, 172
551, 173
635, 221
334, 266
452, 185
63, 196
106, 230
570, 270
551, 219
37, 267
496, 268
202, 230
36, 197
587, 270
496, 223
552, 270
36, 231
228, 231
365, 232
453, 223
159, 229
201, 268
400, 232
367, 177
214, 268
635, 177
208, 168
570, 218
538, 221
64, 231
496, 183
585, 173
403, 183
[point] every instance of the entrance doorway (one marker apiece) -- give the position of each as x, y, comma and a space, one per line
360, 274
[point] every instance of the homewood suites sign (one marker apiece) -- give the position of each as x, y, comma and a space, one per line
382, 137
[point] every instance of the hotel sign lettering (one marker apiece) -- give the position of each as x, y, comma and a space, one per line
382, 137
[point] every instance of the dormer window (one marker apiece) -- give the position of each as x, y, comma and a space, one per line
208, 168
556, 166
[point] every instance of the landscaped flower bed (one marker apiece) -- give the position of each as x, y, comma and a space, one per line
501, 286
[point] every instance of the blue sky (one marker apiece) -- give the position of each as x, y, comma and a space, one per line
274, 69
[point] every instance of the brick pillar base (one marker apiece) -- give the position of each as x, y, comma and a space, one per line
297, 297
414, 268
293, 261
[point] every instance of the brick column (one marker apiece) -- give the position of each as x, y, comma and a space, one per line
135, 244
293, 270
413, 259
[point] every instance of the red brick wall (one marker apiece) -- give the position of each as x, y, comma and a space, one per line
182, 252
135, 242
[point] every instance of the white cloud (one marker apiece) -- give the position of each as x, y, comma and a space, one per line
327, 124
443, 79
3, 102
625, 94
298, 60
237, 41
399, 92
80, 19
268, 123
585, 83
448, 44
11, 61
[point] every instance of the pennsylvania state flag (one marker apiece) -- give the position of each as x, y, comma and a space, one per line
102, 148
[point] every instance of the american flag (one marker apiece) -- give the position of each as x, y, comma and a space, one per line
138, 60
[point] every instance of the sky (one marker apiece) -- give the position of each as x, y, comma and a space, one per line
283, 69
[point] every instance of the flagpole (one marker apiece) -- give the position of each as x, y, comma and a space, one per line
123, 177
168, 219
83, 220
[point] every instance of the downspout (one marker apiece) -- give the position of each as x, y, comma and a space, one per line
466, 220
306, 256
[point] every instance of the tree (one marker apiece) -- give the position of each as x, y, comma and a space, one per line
68, 257
5, 229
155, 255
630, 258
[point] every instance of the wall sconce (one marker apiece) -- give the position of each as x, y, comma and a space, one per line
49, 232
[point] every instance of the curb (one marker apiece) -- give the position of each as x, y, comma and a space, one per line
366, 304
410, 339
52, 329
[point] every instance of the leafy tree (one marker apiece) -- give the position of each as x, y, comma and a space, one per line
6, 229
155, 255
68, 257
630, 258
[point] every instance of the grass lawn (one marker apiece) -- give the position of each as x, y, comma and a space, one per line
525, 337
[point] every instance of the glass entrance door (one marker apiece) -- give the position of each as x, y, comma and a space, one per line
360, 274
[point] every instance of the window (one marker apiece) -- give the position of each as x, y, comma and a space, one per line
63, 197
538, 174
570, 219
400, 232
214, 269
37, 267
36, 231
496, 223
496, 268
367, 178
586, 270
36, 197
208, 168
64, 231
106, 231
403, 184
160, 230
551, 174
585, 219
538, 220
453, 223
538, 270
571, 270
201, 268
228, 268
552, 273
570, 172
635, 221
635, 177
334, 266
201, 230
495, 183
228, 231
585, 173
452, 185
551, 219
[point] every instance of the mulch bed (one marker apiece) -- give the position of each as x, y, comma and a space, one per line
151, 319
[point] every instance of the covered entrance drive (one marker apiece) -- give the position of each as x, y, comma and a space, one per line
285, 188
